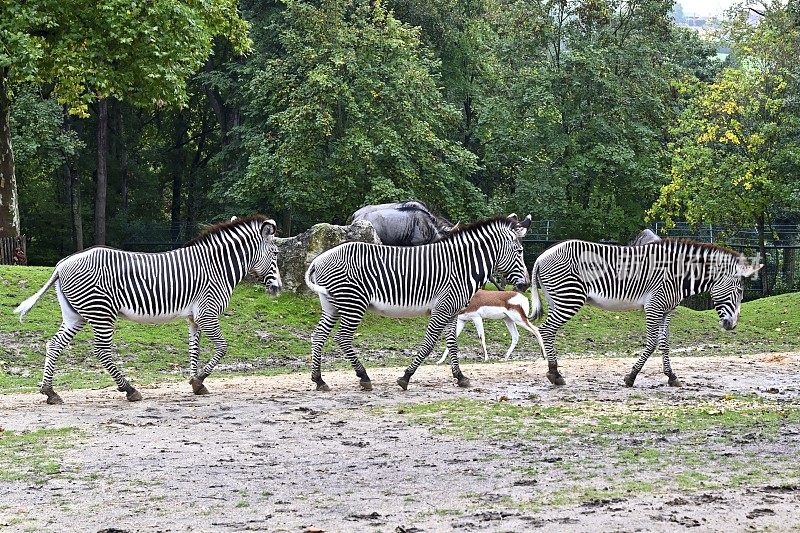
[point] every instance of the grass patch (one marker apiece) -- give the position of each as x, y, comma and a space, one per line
273, 335
473, 419
34, 456
608, 450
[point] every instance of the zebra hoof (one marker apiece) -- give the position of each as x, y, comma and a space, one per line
198, 387
322, 386
629, 379
365, 384
133, 395
674, 381
52, 397
556, 378
464, 383
403, 382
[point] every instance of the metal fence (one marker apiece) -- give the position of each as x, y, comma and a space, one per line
157, 237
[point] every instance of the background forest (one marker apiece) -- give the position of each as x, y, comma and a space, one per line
132, 122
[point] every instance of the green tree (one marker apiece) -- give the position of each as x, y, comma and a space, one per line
579, 121
87, 52
345, 110
44, 151
736, 154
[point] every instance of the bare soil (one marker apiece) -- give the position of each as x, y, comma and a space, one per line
272, 454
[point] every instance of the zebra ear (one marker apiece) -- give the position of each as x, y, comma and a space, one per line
513, 216
234, 217
527, 222
268, 228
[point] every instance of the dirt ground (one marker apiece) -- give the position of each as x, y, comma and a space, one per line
271, 454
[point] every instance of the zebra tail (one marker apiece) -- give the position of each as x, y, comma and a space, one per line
25, 306
319, 289
536, 304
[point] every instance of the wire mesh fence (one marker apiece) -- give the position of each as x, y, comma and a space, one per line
157, 236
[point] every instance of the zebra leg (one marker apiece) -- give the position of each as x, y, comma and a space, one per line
55, 346
348, 323
209, 326
194, 358
452, 347
560, 311
663, 345
436, 324
103, 332
459, 328
329, 317
653, 321
71, 323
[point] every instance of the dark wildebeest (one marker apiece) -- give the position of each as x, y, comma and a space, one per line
646, 236
408, 223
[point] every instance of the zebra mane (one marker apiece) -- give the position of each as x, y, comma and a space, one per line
697, 244
466, 228
222, 227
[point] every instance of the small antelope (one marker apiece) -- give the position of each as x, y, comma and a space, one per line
511, 307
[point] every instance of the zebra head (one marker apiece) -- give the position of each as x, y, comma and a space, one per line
510, 260
265, 264
727, 290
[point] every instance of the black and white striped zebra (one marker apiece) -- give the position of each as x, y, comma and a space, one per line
399, 281
654, 277
196, 281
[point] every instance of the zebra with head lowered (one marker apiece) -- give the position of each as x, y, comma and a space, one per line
399, 281
654, 277
196, 281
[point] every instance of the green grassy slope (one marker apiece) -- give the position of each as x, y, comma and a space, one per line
271, 335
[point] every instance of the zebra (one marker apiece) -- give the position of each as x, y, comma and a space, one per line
396, 281
654, 277
100, 284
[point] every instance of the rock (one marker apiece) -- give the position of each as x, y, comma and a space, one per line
296, 253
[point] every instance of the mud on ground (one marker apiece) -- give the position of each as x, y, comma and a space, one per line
271, 454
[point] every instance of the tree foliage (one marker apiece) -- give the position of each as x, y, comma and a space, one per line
736, 154
346, 111
592, 113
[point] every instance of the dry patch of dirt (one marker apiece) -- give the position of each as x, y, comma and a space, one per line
271, 454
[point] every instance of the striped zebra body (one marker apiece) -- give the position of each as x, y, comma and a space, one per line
100, 284
654, 277
438, 279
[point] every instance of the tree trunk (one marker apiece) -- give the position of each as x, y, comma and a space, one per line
191, 184
73, 183
9, 203
762, 250
102, 173
178, 166
286, 222
122, 154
